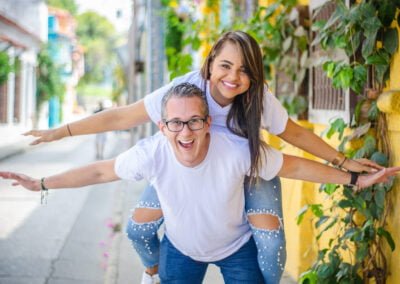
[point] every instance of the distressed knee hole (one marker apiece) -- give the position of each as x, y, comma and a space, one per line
146, 215
265, 221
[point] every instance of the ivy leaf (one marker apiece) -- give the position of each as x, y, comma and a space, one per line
349, 233
338, 125
379, 58
371, 27
330, 188
381, 73
346, 77
380, 158
362, 252
302, 212
380, 198
388, 237
360, 77
321, 221
287, 43
317, 210
308, 277
359, 131
373, 111
387, 12
391, 40
344, 203
330, 225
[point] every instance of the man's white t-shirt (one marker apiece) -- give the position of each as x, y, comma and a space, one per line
203, 206
274, 117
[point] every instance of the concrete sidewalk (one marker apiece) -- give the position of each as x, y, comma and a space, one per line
78, 237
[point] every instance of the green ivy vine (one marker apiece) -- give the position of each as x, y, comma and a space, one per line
366, 33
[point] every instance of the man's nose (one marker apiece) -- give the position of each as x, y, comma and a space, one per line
186, 128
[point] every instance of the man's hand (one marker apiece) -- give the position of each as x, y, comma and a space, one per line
23, 180
48, 135
378, 177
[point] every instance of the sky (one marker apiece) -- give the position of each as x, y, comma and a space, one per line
117, 12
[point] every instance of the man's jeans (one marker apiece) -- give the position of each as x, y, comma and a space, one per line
240, 267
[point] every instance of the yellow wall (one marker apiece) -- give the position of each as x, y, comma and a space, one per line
390, 104
301, 246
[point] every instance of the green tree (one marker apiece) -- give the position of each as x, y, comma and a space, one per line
68, 5
97, 35
49, 82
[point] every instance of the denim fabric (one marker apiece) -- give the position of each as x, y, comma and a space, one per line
145, 240
240, 267
263, 198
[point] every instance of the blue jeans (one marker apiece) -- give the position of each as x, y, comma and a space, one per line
262, 198
240, 267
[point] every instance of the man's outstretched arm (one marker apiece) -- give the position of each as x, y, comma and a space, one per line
99, 172
308, 170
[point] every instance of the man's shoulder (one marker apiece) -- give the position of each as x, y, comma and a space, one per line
153, 142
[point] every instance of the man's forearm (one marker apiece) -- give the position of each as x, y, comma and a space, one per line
99, 172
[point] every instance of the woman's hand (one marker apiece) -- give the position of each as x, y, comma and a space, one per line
47, 135
381, 176
362, 165
23, 180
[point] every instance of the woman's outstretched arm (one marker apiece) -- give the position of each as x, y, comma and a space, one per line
308, 141
119, 118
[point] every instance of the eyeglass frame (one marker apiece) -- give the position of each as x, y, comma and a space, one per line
204, 120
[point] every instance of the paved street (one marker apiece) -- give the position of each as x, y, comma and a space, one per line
71, 239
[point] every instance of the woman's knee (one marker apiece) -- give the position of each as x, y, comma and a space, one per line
146, 215
144, 224
265, 221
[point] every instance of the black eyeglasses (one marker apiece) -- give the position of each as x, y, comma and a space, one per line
193, 124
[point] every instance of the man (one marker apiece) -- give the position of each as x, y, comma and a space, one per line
198, 176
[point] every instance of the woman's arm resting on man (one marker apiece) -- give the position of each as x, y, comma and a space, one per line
119, 118
308, 141
99, 172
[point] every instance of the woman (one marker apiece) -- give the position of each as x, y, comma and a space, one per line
233, 79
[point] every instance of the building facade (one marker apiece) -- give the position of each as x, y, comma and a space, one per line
23, 29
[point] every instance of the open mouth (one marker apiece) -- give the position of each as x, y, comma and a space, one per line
187, 144
230, 85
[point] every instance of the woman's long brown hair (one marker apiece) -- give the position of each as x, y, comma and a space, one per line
244, 118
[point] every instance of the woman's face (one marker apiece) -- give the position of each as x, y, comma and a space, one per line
228, 76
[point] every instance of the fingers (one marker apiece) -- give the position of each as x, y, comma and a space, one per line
369, 166
37, 141
36, 133
33, 133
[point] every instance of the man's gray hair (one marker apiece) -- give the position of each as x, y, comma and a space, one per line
184, 90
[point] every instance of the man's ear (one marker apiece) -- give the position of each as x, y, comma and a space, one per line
209, 120
161, 126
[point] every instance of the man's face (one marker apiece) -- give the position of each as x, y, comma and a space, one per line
190, 146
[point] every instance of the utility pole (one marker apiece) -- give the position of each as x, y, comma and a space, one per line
132, 62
